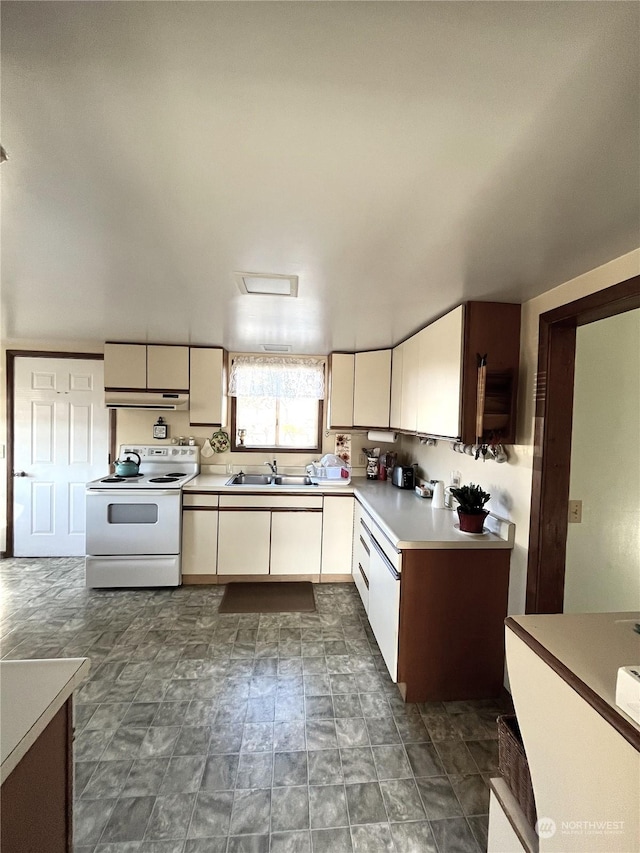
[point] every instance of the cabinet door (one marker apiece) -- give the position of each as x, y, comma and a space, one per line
425, 404
167, 368
384, 607
207, 394
410, 390
337, 535
199, 541
125, 366
372, 388
441, 376
296, 542
395, 409
361, 552
243, 542
340, 409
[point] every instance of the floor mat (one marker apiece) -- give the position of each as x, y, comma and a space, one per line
286, 597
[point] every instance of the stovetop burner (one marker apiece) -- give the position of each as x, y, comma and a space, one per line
176, 474
164, 479
113, 480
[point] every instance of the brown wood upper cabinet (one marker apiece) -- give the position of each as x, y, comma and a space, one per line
359, 387
150, 367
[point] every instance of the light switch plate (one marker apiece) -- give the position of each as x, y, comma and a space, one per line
575, 512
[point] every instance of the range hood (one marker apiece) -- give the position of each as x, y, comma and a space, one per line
156, 400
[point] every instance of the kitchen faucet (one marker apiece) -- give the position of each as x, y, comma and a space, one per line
274, 467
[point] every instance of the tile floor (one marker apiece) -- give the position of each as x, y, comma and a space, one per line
205, 733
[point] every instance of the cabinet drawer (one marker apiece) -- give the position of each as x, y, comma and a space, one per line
361, 580
199, 500
271, 501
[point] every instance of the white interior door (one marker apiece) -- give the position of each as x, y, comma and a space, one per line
61, 441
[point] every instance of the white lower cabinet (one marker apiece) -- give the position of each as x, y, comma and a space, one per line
337, 534
199, 534
384, 606
199, 541
296, 542
269, 534
243, 542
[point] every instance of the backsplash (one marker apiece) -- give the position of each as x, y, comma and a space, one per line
136, 427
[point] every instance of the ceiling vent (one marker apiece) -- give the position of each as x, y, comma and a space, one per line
276, 347
267, 284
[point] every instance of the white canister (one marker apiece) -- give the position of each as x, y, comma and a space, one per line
437, 501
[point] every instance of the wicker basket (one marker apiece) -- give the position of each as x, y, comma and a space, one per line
514, 767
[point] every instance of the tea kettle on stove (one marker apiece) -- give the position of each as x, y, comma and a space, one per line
128, 467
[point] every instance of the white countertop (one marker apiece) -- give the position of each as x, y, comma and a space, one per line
218, 483
31, 694
407, 520
592, 646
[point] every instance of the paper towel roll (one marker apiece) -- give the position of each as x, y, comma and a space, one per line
380, 435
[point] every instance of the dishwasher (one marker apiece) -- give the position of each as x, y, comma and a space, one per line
384, 604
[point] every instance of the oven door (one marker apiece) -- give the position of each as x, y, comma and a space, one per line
145, 521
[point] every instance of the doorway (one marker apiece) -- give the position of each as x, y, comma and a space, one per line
603, 547
552, 443
58, 440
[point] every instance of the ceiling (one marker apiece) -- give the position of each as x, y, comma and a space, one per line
398, 158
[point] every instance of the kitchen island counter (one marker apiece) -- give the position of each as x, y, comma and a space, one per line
37, 753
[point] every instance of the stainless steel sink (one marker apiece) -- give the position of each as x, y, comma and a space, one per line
269, 480
286, 480
250, 480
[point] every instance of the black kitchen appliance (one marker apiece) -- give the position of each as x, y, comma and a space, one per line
404, 476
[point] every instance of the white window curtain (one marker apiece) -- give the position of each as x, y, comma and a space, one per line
255, 376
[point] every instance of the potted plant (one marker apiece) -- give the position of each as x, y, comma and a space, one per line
471, 511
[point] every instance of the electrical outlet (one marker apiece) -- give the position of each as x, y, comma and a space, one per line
575, 512
362, 460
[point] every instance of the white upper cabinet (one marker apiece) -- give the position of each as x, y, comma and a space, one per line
340, 402
167, 368
441, 375
125, 366
371, 389
207, 392
410, 385
395, 411
150, 367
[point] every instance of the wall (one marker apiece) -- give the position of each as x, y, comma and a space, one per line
510, 483
603, 552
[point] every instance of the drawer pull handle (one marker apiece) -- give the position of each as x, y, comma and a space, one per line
388, 565
364, 577
365, 546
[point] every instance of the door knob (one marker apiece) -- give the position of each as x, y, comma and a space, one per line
20, 474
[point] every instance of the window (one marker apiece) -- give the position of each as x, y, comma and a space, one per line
277, 403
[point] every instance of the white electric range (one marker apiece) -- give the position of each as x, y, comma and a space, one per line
134, 523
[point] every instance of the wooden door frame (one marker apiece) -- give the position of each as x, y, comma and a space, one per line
12, 355
552, 441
